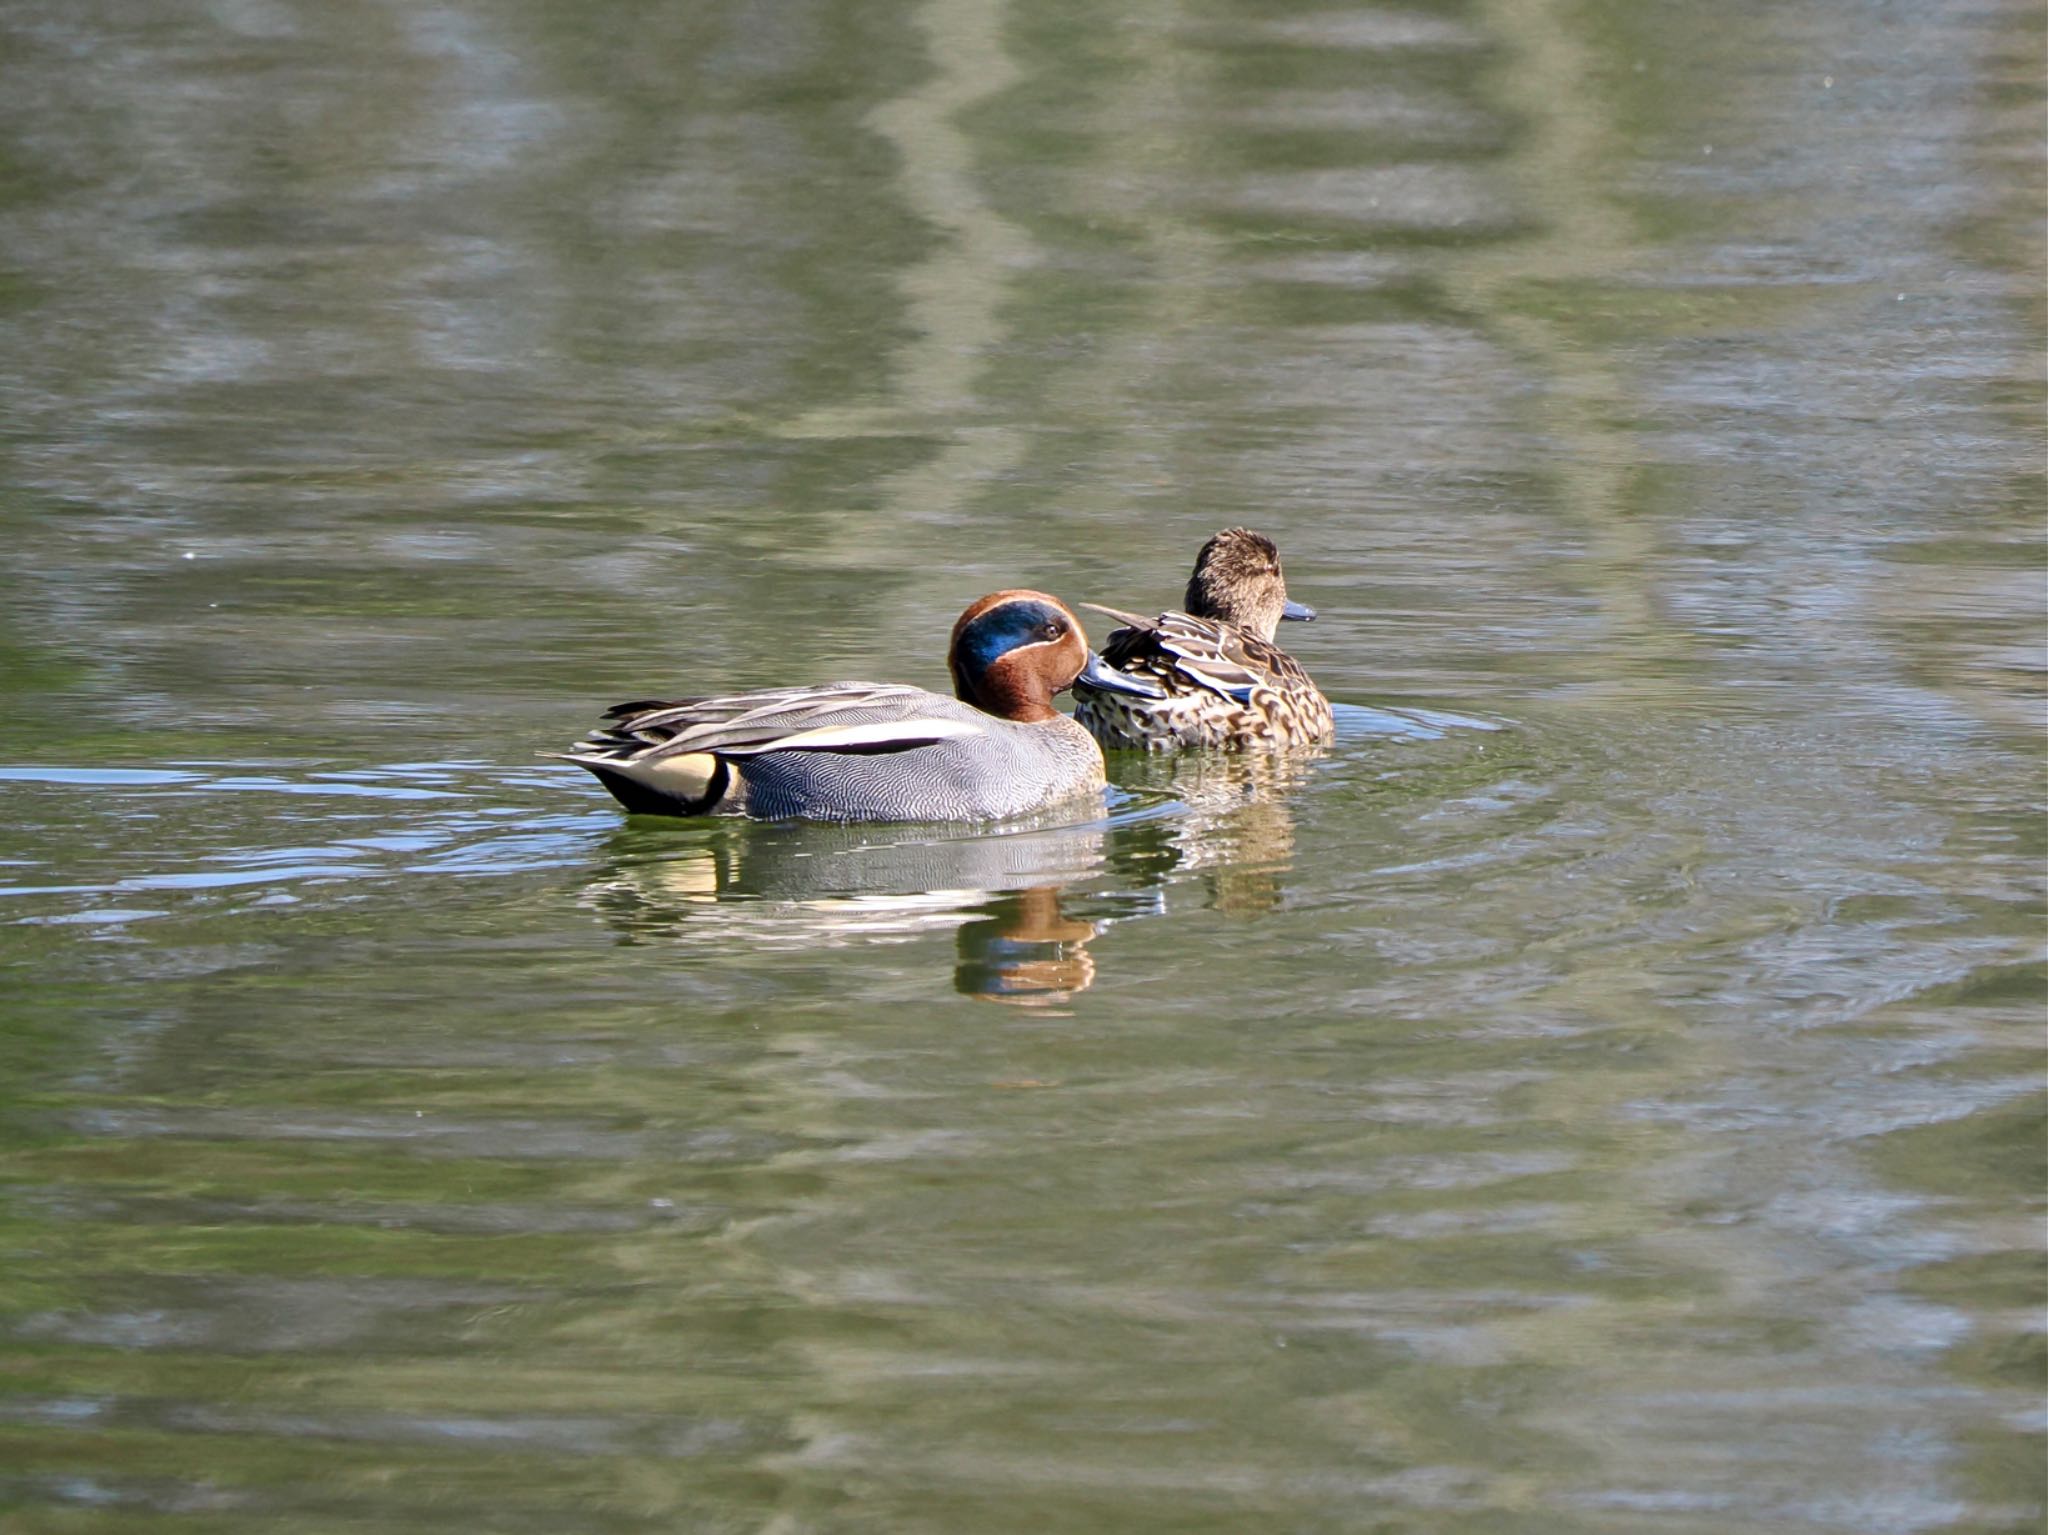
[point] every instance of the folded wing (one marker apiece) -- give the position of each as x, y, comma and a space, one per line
861, 717
1199, 650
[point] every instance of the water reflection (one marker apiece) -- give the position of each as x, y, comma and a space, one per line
1234, 826
803, 884
1025, 950
953, 296
1008, 893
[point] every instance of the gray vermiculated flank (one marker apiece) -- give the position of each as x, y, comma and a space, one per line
1001, 770
1009, 770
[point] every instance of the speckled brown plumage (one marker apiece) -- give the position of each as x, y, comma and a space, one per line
1218, 678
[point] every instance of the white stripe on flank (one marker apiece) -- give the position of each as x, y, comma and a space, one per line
845, 737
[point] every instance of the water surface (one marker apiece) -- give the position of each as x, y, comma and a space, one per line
1603, 1093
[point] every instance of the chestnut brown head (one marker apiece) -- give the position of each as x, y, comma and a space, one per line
1013, 651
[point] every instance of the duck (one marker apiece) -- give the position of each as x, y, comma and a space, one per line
1210, 675
875, 751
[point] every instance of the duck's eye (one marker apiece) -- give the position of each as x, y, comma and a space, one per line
1052, 629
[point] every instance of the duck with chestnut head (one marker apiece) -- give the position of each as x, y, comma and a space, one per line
1210, 675
866, 751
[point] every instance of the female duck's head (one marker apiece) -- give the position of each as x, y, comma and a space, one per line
1013, 651
1237, 581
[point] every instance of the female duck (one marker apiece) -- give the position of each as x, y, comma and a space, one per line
1210, 676
866, 751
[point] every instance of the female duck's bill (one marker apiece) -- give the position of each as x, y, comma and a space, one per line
859, 751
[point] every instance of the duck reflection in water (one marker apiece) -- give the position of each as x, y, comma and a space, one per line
1236, 829
1025, 950
791, 885
1009, 895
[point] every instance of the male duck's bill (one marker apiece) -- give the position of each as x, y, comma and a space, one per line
860, 751
1103, 677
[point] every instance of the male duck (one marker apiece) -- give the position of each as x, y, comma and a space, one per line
1210, 676
866, 751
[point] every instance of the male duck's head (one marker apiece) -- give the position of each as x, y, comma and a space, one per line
1013, 651
1237, 581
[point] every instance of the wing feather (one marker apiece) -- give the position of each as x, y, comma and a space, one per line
1209, 654
862, 717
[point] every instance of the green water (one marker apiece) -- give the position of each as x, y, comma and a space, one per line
1604, 1093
